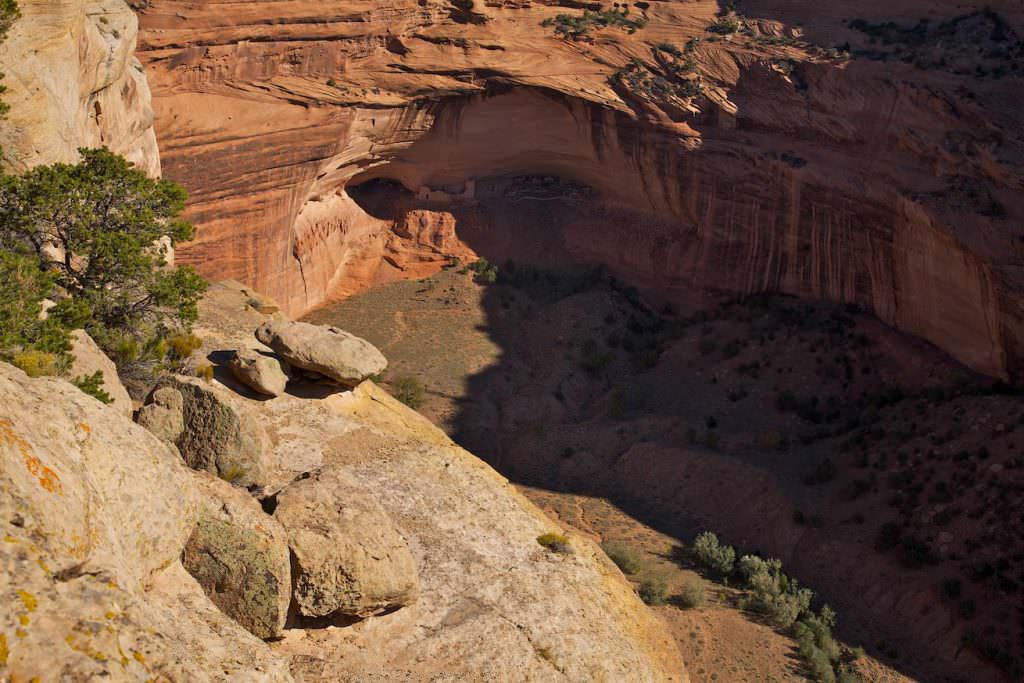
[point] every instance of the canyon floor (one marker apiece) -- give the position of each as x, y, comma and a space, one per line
883, 473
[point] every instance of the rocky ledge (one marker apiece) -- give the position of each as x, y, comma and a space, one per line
368, 546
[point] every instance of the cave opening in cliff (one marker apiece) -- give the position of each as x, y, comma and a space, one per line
524, 217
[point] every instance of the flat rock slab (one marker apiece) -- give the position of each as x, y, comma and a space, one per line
328, 351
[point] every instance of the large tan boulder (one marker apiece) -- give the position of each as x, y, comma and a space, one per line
94, 515
219, 432
98, 488
261, 372
328, 351
239, 555
89, 359
349, 558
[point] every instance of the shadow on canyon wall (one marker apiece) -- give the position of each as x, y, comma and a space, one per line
768, 419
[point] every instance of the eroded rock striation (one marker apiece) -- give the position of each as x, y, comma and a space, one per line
74, 81
886, 177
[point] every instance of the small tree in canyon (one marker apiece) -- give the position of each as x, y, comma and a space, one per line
96, 234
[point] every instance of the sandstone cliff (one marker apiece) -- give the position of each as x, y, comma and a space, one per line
99, 515
73, 81
885, 176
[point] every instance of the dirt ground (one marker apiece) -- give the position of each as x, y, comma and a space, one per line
803, 431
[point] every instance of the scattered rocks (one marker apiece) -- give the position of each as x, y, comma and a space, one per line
239, 555
262, 373
218, 435
94, 515
89, 359
328, 351
349, 557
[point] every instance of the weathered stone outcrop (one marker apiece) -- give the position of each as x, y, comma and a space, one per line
94, 514
73, 81
89, 359
881, 183
349, 558
328, 351
239, 555
493, 604
262, 373
219, 433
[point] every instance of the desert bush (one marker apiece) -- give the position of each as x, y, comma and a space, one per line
181, 345
556, 543
484, 271
409, 391
92, 229
93, 385
692, 595
627, 559
713, 555
653, 591
724, 26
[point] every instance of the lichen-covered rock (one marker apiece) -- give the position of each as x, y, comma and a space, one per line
239, 555
163, 414
328, 351
89, 359
219, 434
260, 372
349, 558
94, 514
98, 488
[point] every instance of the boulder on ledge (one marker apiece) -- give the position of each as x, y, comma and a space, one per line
262, 373
328, 351
239, 555
218, 433
349, 557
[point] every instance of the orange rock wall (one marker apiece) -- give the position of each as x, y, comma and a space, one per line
829, 183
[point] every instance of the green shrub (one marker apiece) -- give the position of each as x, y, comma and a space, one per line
182, 344
713, 555
35, 363
652, 591
692, 595
484, 271
724, 26
110, 216
556, 543
93, 385
409, 391
627, 559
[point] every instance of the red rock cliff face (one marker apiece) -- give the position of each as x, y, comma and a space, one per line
889, 178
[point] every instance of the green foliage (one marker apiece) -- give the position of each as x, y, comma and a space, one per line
653, 591
409, 391
93, 385
627, 559
23, 287
724, 26
181, 345
777, 595
484, 271
713, 555
692, 595
556, 543
35, 363
94, 227
665, 81
575, 27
